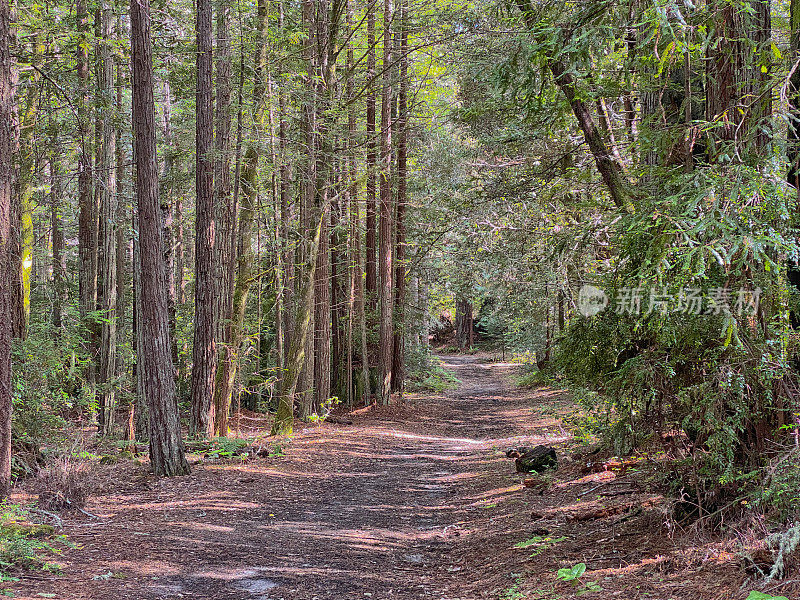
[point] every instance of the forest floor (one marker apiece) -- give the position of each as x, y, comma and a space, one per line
415, 501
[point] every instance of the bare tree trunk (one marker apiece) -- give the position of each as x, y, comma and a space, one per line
166, 446
284, 417
356, 304
59, 258
385, 353
463, 323
401, 302
204, 354
339, 315
224, 209
167, 213
244, 265
322, 317
87, 233
286, 216
307, 193
124, 271
7, 141
140, 411
371, 202
107, 184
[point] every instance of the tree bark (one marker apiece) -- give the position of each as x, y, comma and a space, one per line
87, 213
204, 355
59, 264
286, 215
372, 144
166, 446
463, 324
245, 256
385, 353
107, 183
284, 417
225, 210
7, 141
400, 247
167, 213
610, 170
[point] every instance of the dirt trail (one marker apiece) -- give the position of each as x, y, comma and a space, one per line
383, 508
409, 502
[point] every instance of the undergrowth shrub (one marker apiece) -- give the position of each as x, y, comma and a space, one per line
24, 544
714, 386
426, 374
65, 483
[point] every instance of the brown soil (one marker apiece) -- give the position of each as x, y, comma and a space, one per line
410, 502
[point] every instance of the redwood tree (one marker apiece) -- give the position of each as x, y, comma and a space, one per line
6, 161
155, 363
204, 354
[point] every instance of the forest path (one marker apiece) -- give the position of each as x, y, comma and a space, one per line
410, 502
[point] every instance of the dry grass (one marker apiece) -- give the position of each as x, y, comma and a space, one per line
64, 483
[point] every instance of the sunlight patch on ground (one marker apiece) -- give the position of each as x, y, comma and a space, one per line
431, 438
203, 526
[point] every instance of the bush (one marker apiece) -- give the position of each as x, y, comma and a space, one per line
63, 484
426, 374
24, 544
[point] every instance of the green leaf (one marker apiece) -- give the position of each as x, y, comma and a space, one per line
754, 595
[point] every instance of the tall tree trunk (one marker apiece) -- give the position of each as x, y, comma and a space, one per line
280, 241
339, 316
204, 354
166, 446
284, 417
401, 303
22, 217
167, 213
372, 144
307, 195
7, 141
224, 209
793, 132
124, 270
107, 184
357, 303
385, 352
57, 233
87, 217
463, 323
286, 215
245, 255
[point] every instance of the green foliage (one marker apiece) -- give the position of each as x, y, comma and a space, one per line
533, 378
779, 493
573, 574
226, 447
25, 545
426, 374
710, 234
754, 595
539, 544
326, 408
514, 592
